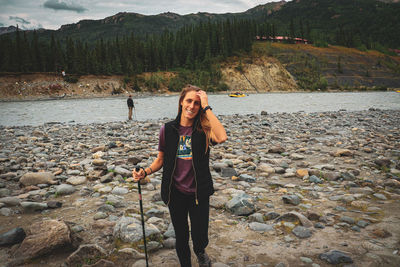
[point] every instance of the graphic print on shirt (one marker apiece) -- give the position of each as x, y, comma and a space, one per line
185, 147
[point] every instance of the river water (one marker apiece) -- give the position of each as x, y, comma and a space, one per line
95, 110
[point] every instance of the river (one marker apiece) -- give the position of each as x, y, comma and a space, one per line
97, 110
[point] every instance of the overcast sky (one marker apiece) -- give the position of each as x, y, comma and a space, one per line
51, 14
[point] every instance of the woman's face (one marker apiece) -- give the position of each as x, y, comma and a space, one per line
190, 105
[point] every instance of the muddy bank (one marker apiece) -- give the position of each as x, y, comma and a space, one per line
298, 189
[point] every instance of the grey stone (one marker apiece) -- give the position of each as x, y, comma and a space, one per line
302, 232
362, 223
170, 243
256, 217
380, 196
271, 215
120, 191
65, 189
291, 199
315, 179
10, 201
228, 172
247, 178
129, 230
241, 204
6, 212
33, 206
335, 257
14, 236
261, 227
123, 172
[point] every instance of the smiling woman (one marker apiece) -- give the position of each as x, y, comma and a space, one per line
183, 153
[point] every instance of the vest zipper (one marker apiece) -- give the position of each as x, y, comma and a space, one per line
195, 179
194, 169
172, 174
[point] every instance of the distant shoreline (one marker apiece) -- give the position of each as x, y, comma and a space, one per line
149, 94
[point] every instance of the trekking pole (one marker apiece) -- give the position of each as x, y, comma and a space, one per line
141, 213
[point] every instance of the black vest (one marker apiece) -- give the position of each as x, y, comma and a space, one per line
200, 158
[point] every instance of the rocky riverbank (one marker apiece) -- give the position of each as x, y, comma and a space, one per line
298, 189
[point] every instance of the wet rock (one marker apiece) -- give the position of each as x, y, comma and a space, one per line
14, 236
34, 178
335, 257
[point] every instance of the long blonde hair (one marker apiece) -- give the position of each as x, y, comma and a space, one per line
204, 124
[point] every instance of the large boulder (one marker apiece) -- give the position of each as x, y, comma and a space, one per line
43, 238
35, 178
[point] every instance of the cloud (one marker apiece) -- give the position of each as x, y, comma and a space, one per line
59, 5
19, 20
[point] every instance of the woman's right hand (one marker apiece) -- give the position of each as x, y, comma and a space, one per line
138, 175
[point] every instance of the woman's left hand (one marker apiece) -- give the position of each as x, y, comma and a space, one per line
203, 98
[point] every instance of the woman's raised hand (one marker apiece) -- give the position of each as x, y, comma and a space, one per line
203, 98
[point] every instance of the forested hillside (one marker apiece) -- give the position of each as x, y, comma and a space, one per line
194, 46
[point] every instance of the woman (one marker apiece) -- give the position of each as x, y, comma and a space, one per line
186, 183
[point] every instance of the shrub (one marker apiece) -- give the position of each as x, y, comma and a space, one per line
71, 79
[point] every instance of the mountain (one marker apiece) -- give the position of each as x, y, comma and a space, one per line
125, 23
4, 30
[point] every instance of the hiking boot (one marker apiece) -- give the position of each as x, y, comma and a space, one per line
203, 259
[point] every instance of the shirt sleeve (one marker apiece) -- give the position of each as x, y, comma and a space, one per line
161, 139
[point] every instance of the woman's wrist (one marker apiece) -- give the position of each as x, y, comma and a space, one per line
150, 171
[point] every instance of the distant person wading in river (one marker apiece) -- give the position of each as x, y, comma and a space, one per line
183, 153
130, 107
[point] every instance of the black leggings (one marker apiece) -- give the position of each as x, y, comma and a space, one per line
179, 207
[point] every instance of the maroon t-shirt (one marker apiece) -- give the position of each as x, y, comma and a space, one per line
184, 173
